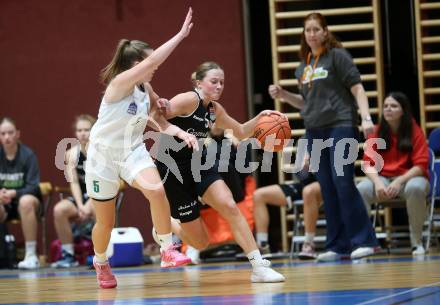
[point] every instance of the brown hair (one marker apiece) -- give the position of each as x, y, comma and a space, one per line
9, 120
84, 117
127, 52
329, 43
202, 69
405, 130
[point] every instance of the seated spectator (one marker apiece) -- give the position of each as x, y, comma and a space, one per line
77, 208
19, 188
308, 189
405, 169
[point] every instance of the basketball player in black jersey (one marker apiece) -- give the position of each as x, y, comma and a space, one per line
195, 112
78, 207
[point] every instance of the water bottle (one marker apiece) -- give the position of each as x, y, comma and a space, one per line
11, 251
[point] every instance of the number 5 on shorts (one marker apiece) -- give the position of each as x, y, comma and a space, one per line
96, 186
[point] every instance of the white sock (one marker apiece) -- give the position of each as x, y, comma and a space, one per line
255, 258
68, 248
100, 258
192, 252
190, 248
31, 248
310, 237
262, 238
165, 240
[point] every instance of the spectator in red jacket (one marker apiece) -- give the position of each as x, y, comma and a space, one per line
405, 165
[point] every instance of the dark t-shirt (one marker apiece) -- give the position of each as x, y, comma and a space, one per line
22, 173
328, 101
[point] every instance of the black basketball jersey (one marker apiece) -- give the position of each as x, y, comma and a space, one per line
80, 172
197, 123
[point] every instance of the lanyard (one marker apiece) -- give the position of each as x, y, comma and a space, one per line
309, 56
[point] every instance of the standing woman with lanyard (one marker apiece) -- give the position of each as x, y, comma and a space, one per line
330, 95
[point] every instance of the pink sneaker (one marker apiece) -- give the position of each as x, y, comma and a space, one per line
104, 274
173, 258
307, 251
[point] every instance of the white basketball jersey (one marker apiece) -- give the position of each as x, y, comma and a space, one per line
122, 124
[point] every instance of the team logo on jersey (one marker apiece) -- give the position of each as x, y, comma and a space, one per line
132, 108
197, 118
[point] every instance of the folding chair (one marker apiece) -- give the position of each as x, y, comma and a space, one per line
434, 140
46, 192
296, 224
401, 203
434, 145
299, 228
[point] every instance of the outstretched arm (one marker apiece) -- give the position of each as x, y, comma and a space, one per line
295, 100
125, 81
241, 131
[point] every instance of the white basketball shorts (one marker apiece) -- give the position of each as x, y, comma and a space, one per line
105, 166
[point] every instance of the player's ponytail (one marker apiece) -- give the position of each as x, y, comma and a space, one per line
127, 52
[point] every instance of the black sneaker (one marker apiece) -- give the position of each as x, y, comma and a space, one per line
67, 260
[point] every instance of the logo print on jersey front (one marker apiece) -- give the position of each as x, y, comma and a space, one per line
311, 74
132, 108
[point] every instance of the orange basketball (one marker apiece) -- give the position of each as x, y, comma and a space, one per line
270, 129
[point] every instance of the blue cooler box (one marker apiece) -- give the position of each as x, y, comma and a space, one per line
125, 247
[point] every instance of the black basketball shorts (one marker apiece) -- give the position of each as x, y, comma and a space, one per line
183, 196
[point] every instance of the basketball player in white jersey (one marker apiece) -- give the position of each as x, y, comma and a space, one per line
117, 150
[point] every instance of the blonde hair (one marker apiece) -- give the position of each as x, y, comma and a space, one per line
84, 117
202, 69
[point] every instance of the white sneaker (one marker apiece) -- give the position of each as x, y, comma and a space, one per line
193, 254
418, 250
362, 252
264, 274
329, 256
30, 262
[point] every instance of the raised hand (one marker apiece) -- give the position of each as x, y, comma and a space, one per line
187, 25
